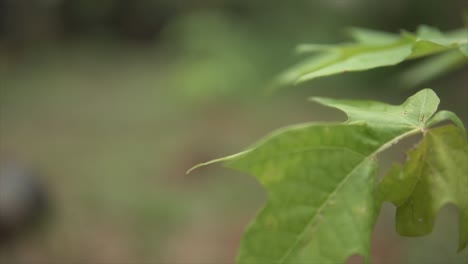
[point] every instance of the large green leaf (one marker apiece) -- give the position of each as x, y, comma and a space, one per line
319, 179
435, 174
320, 182
373, 49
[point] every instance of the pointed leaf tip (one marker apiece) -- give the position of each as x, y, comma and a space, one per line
223, 159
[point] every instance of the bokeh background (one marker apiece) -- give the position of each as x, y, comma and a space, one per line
111, 101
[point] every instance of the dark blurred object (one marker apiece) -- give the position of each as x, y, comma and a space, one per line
136, 20
23, 202
32, 22
26, 24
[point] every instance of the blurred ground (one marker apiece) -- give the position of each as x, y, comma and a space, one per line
114, 146
114, 124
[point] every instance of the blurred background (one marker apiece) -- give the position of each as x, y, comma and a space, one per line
105, 104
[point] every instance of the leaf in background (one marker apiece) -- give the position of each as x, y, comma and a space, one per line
374, 49
464, 49
369, 36
445, 115
435, 174
320, 182
433, 68
313, 62
359, 58
444, 39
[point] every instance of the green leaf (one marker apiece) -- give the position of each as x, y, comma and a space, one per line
311, 63
319, 179
434, 35
320, 182
464, 49
360, 58
445, 115
435, 174
368, 36
433, 68
374, 49
414, 112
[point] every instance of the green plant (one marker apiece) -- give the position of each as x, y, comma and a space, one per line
323, 196
372, 49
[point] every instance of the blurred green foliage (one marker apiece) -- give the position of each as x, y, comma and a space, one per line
374, 49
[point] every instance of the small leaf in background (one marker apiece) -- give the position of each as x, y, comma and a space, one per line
434, 175
372, 37
373, 49
432, 68
360, 57
313, 62
444, 39
464, 49
445, 115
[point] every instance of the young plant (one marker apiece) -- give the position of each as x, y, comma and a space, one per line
323, 196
